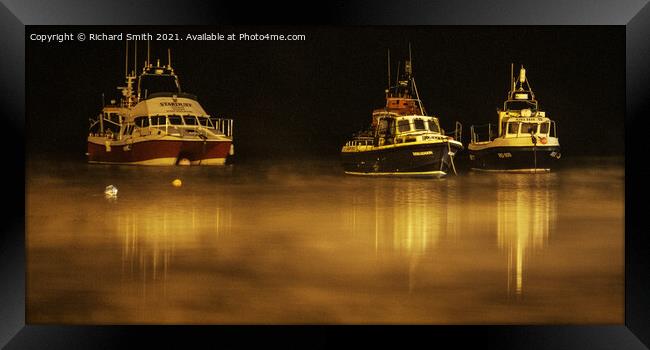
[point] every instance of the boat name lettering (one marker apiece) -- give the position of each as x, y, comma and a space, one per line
423, 153
176, 104
504, 155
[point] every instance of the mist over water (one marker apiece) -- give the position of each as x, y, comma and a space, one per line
295, 242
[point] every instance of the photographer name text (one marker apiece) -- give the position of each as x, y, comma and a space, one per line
208, 36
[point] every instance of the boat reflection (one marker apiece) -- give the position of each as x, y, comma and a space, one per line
526, 212
407, 217
413, 217
154, 234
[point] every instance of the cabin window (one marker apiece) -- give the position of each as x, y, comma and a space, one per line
142, 121
419, 124
529, 128
204, 121
513, 128
112, 128
128, 130
114, 117
383, 125
175, 120
190, 120
433, 126
543, 128
159, 120
403, 125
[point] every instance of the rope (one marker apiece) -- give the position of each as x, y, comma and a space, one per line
451, 157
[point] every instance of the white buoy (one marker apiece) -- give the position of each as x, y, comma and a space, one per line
110, 191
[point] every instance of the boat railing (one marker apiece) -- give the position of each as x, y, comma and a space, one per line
103, 127
223, 125
482, 133
457, 133
356, 143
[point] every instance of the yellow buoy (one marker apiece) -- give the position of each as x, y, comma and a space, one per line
177, 183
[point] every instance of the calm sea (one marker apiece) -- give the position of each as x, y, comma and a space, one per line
294, 242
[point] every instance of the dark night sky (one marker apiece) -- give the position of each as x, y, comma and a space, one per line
307, 97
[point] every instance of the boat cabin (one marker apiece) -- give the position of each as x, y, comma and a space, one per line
518, 126
513, 124
393, 128
176, 125
398, 106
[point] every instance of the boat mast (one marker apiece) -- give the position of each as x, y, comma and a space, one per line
522, 76
512, 79
147, 53
409, 72
398, 65
127, 91
524, 92
126, 61
101, 116
388, 66
410, 59
417, 95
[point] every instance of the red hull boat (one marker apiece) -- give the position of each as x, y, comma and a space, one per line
155, 123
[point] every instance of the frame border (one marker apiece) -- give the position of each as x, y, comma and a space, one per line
15, 15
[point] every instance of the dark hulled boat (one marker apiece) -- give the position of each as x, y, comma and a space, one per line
402, 139
524, 139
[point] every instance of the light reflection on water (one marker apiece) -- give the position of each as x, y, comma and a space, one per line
149, 237
410, 218
282, 244
525, 216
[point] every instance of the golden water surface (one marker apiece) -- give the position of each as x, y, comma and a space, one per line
300, 243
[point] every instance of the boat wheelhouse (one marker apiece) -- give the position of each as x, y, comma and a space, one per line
402, 139
156, 123
524, 138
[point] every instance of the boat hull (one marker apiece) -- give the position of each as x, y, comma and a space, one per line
421, 160
159, 152
526, 159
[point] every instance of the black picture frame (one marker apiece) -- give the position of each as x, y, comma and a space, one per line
15, 15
